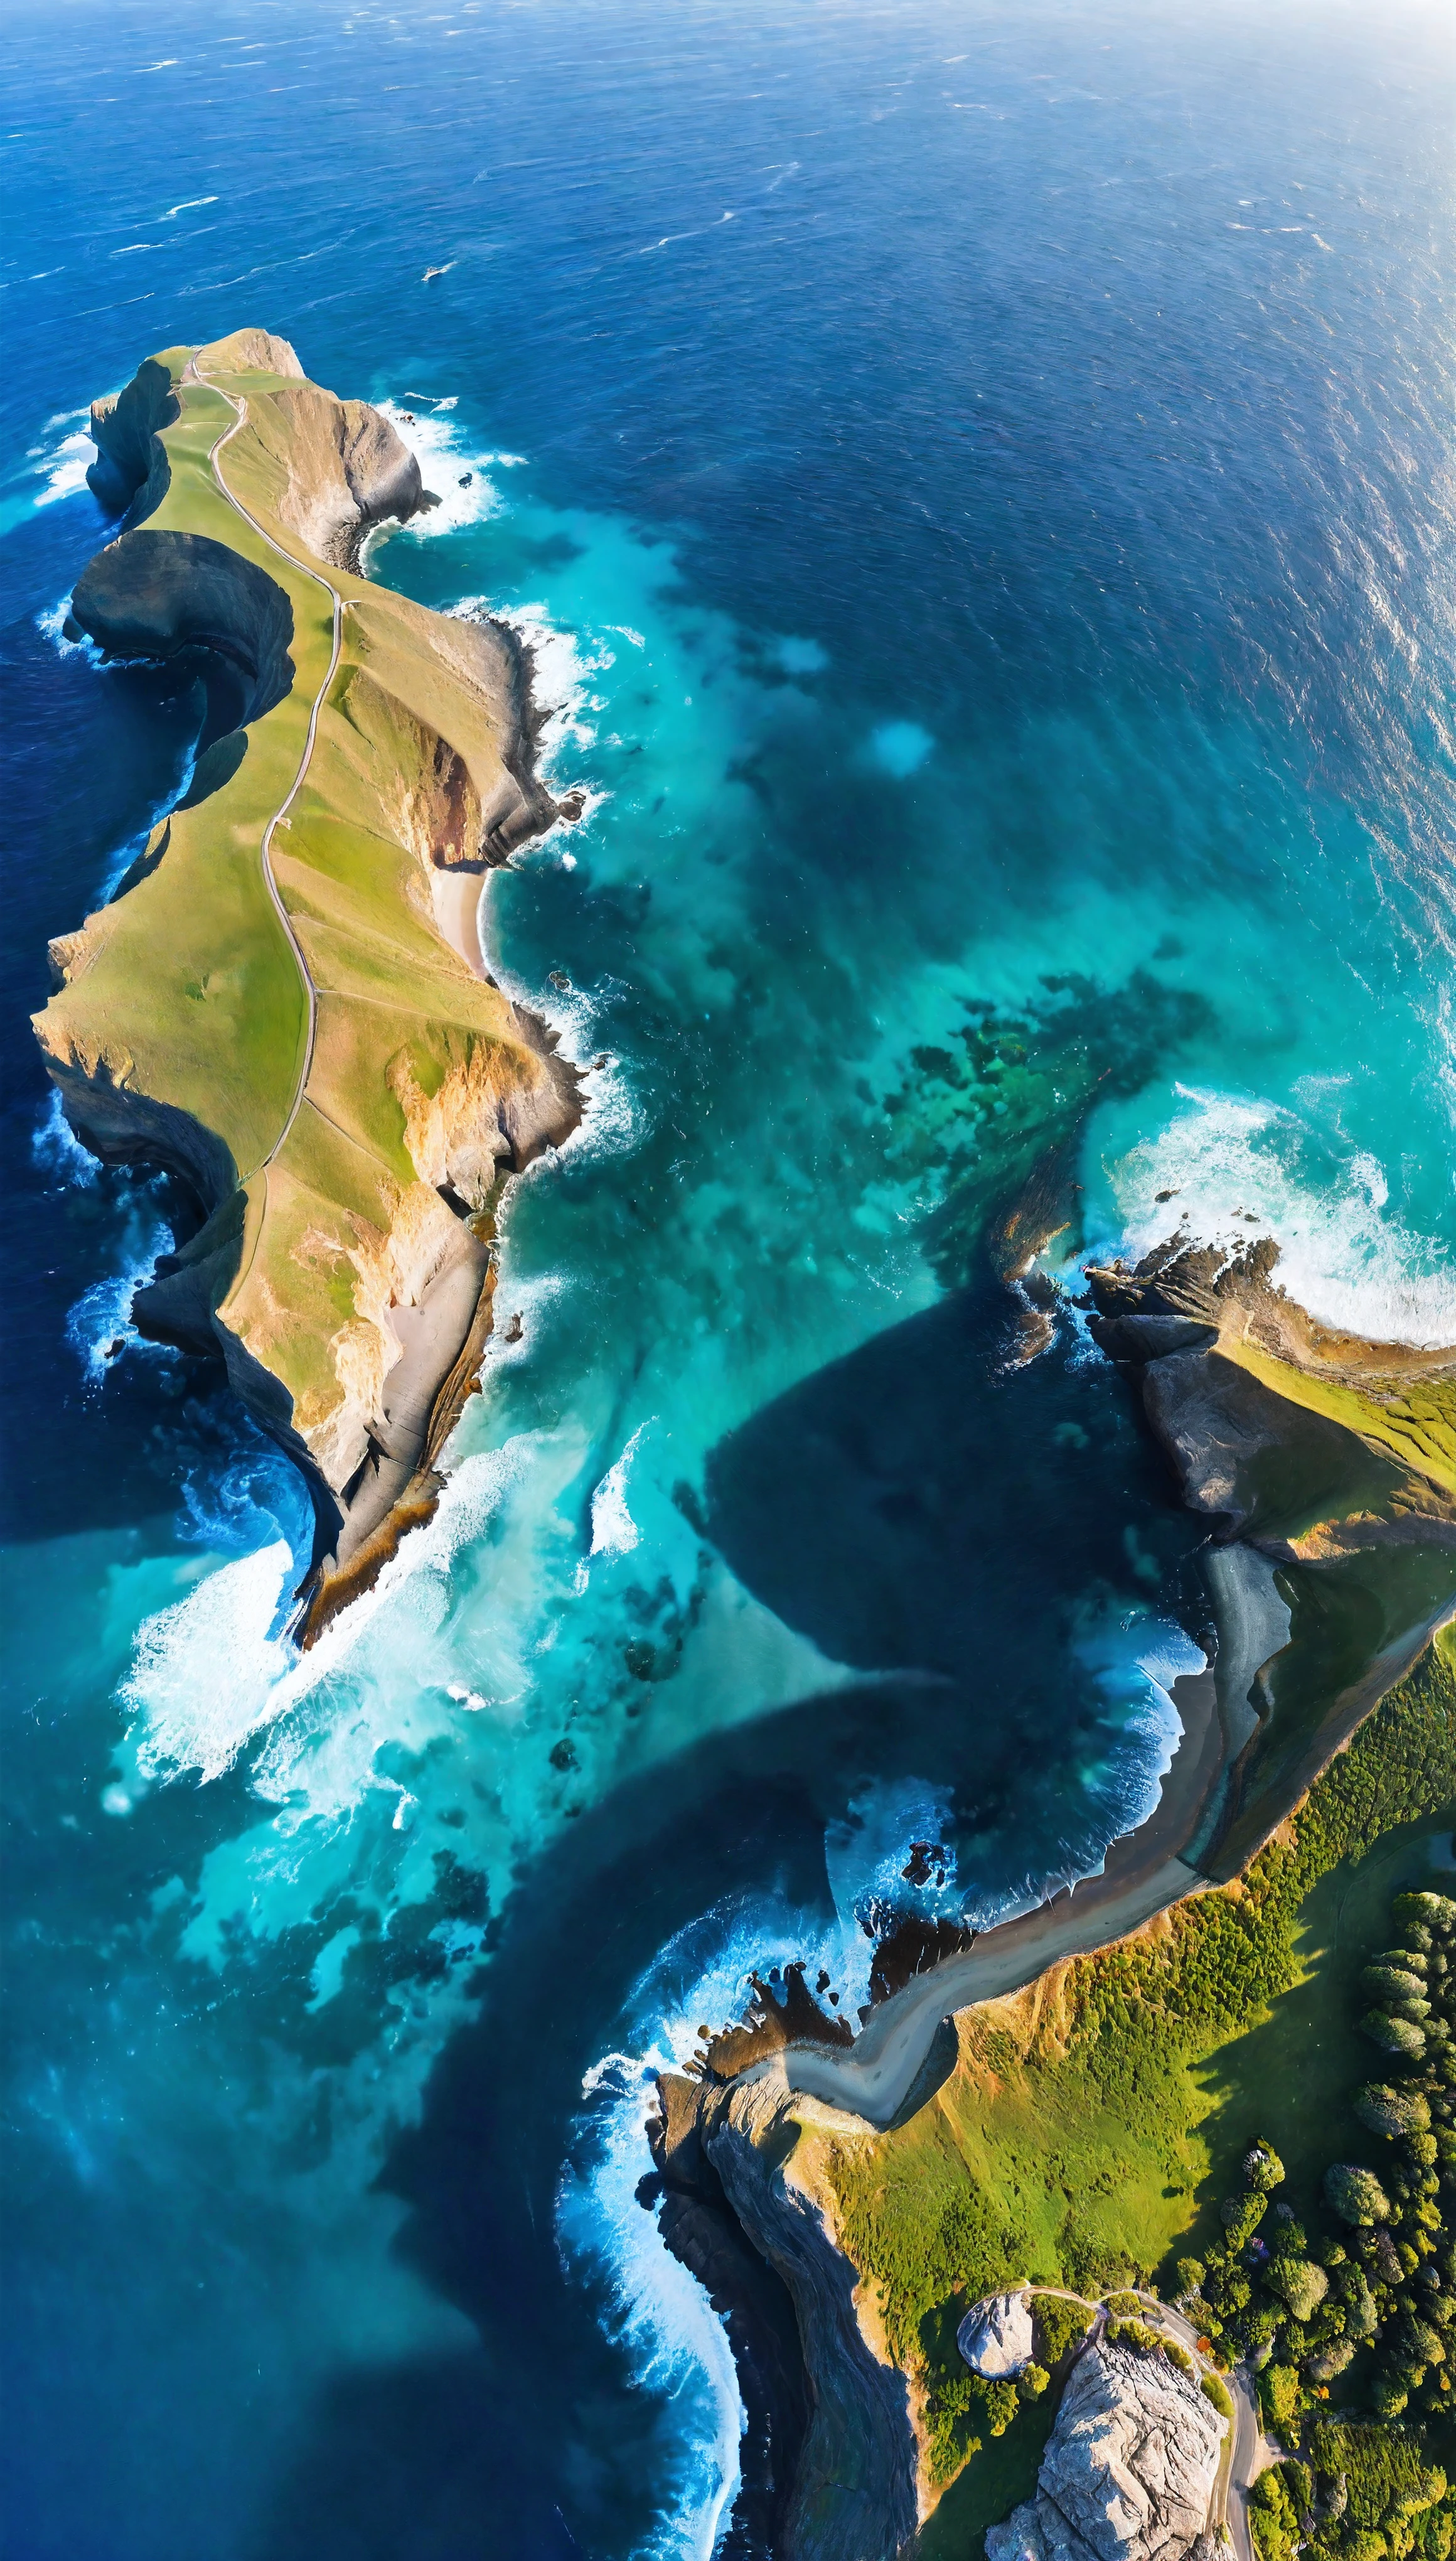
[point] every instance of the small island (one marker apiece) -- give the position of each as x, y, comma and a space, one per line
285, 1004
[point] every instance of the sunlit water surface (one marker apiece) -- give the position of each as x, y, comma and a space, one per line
978, 485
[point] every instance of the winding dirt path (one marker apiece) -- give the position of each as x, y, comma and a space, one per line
240, 407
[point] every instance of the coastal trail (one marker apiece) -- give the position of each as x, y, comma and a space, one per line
240, 408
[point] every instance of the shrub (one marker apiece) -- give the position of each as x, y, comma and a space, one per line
1300, 2284
1272, 2520
1393, 2112
1191, 2272
1262, 2167
1329, 2361
1057, 2324
1177, 2354
1241, 2216
1031, 2382
1393, 2035
1391, 1986
1356, 2194
1000, 2402
1278, 2393
1218, 2393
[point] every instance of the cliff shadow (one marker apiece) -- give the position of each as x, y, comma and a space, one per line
881, 1506
897, 1505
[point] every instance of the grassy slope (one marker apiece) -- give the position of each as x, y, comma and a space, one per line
1416, 1424
193, 978
1092, 2126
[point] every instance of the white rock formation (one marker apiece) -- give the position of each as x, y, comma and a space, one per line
1130, 2469
995, 2338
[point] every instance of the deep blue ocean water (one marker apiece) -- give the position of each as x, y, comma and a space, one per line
980, 486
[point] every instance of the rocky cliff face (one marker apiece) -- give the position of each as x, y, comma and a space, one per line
996, 2338
852, 2491
1130, 2470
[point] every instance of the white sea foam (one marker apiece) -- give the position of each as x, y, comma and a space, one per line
613, 1530
1239, 1167
99, 1325
204, 1669
564, 667
213, 1670
866, 1853
1130, 1660
62, 465
57, 1148
660, 2314
703, 1976
440, 448
51, 623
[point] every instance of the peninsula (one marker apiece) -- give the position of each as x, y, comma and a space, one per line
285, 1004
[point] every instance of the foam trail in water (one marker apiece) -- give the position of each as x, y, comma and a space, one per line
459, 478
99, 1326
51, 626
62, 465
659, 2314
1239, 1167
57, 1148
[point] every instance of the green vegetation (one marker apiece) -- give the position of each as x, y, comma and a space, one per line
1417, 1426
1366, 2494
1382, 2277
1094, 2125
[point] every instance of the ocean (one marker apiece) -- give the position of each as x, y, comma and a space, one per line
978, 484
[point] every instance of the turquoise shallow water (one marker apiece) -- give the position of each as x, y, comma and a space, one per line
979, 493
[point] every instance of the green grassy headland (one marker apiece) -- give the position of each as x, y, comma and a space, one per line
186, 991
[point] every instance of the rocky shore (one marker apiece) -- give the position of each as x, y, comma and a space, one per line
1131, 2468
836, 2480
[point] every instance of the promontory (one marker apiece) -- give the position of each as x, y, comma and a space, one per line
285, 1004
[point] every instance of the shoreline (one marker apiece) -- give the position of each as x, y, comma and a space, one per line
1145, 1873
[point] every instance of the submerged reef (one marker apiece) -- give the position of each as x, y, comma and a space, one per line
285, 1005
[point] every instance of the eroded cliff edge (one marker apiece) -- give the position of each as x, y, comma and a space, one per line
285, 1005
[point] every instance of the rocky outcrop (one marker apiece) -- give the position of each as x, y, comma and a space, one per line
853, 2492
1130, 2470
994, 2337
163, 595
132, 470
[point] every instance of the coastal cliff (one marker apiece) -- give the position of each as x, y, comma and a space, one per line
845, 2490
285, 1004
1325, 1467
